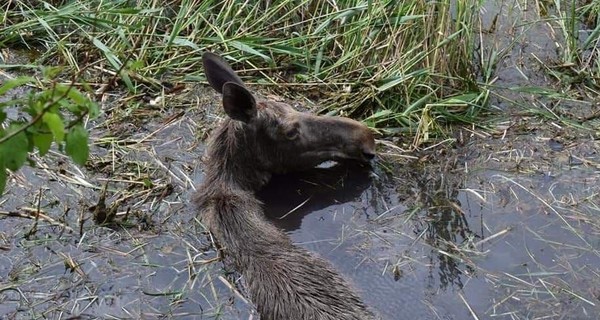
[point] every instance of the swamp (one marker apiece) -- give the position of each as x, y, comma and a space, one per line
483, 201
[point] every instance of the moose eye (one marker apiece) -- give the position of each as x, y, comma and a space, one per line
292, 133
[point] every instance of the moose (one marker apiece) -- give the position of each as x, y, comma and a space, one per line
260, 138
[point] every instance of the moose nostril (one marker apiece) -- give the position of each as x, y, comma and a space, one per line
368, 155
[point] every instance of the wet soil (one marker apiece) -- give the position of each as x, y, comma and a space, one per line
503, 224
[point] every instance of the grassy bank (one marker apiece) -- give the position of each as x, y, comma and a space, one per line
399, 65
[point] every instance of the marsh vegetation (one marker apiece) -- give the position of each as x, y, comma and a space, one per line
483, 201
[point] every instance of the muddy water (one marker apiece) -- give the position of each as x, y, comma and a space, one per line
502, 227
495, 231
508, 230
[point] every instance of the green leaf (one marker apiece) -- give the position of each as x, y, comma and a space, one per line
13, 151
248, 49
11, 84
77, 145
394, 81
463, 98
51, 72
147, 183
93, 110
2, 178
380, 114
136, 65
183, 42
42, 141
72, 93
2, 117
81, 101
55, 124
114, 61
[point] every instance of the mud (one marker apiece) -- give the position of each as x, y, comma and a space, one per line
502, 225
494, 231
502, 231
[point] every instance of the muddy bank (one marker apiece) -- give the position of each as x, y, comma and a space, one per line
503, 222
500, 226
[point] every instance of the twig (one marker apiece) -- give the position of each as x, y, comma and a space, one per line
31, 213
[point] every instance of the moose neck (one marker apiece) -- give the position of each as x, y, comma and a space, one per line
233, 158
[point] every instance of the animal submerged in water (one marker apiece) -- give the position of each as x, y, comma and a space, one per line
260, 138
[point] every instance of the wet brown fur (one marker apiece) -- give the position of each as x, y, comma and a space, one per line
284, 282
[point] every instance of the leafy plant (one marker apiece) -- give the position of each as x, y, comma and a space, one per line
51, 112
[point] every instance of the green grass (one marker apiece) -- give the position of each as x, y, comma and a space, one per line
399, 65
579, 48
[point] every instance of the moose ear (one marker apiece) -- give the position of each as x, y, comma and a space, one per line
218, 72
238, 102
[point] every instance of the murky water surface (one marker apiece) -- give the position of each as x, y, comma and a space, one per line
504, 227
476, 236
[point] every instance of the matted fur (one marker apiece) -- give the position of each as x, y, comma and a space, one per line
284, 282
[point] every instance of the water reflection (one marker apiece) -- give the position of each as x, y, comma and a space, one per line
411, 212
443, 224
288, 198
